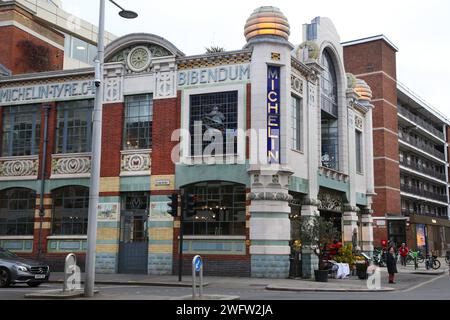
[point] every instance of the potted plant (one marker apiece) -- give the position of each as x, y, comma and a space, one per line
316, 233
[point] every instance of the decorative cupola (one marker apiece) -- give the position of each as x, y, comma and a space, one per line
364, 92
267, 23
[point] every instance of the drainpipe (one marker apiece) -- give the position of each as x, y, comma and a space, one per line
43, 172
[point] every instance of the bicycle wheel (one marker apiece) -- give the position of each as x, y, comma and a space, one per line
410, 260
420, 260
436, 264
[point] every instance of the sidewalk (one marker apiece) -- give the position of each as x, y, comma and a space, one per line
422, 269
333, 285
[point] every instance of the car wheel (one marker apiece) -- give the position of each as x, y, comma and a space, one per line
33, 284
5, 278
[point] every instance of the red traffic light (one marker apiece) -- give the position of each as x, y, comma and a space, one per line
384, 243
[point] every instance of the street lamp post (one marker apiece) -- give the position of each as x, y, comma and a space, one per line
97, 148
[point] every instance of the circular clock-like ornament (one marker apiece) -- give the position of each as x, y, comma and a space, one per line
139, 59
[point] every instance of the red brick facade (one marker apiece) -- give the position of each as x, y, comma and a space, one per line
22, 52
112, 131
166, 119
375, 63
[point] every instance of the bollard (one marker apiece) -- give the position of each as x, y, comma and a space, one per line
197, 266
71, 273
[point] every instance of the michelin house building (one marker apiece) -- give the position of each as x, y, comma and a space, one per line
260, 135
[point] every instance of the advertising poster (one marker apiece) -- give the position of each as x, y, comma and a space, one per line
158, 211
108, 212
421, 236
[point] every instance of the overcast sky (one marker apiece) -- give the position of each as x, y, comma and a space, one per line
420, 29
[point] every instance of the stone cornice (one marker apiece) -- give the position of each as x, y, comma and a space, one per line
300, 67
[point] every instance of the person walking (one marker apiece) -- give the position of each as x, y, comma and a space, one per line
404, 251
391, 264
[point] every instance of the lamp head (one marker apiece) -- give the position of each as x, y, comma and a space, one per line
127, 14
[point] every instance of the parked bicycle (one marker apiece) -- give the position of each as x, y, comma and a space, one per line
432, 262
447, 257
412, 255
379, 257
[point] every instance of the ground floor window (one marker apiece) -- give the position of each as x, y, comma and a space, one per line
17, 212
220, 209
70, 211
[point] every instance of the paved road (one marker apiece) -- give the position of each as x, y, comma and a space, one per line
428, 288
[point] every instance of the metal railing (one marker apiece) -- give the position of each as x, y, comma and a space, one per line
409, 212
424, 124
421, 145
425, 170
423, 193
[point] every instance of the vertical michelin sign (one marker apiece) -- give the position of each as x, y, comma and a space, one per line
273, 115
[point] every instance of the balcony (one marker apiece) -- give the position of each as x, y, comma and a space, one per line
423, 193
422, 146
419, 121
19, 168
425, 170
328, 106
410, 212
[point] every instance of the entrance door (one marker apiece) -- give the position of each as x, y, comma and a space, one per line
335, 217
133, 246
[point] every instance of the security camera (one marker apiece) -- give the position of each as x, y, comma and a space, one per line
97, 82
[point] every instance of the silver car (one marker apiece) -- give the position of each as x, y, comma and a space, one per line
14, 269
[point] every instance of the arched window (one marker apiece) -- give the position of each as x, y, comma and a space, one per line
70, 210
329, 106
17, 212
220, 209
329, 85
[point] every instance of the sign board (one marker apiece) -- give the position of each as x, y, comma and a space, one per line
162, 182
198, 263
47, 92
273, 115
214, 75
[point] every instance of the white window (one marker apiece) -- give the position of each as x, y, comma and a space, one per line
296, 123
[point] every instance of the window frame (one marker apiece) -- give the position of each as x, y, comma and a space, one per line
191, 121
329, 85
359, 154
329, 128
67, 211
149, 143
62, 136
11, 137
297, 123
235, 220
27, 214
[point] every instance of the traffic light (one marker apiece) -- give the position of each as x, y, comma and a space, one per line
173, 205
191, 203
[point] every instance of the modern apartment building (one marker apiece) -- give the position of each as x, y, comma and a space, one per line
38, 35
410, 152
